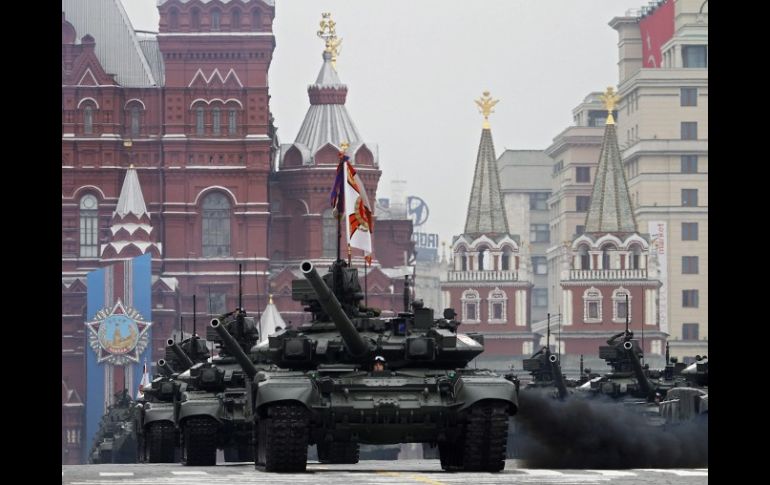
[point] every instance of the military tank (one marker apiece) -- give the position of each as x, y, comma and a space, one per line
212, 411
325, 393
157, 420
116, 439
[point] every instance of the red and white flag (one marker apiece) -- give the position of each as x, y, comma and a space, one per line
358, 211
145, 382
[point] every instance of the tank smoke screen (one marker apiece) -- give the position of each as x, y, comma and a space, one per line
579, 433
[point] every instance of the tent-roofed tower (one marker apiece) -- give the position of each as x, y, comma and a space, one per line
612, 269
486, 284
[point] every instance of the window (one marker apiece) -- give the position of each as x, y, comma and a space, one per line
256, 20
199, 126
690, 298
527, 348
173, 19
539, 233
537, 201
463, 261
217, 303
539, 265
540, 297
215, 20
583, 175
580, 229
690, 331
689, 130
216, 116
216, 225
689, 231
689, 163
582, 203
621, 301
483, 260
329, 234
605, 258
134, 121
688, 97
470, 302
592, 305
235, 23
585, 258
497, 303
558, 166
694, 56
505, 259
88, 120
195, 19
689, 264
635, 256
689, 197
470, 309
232, 122
89, 227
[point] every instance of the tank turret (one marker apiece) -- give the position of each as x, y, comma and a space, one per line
233, 348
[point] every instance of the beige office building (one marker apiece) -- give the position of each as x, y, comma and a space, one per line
663, 134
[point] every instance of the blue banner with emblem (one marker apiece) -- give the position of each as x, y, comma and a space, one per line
118, 334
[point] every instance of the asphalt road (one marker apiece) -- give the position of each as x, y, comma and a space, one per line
410, 472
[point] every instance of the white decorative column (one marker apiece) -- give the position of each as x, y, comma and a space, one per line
566, 307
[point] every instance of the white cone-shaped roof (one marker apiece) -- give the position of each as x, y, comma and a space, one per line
270, 321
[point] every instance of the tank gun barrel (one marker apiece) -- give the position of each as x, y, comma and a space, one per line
644, 384
232, 346
558, 378
165, 368
180, 354
355, 343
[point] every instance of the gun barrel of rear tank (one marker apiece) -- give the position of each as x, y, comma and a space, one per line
558, 378
644, 384
332, 307
184, 358
232, 346
165, 368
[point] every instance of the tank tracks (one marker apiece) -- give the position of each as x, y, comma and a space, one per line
199, 441
341, 452
283, 438
160, 442
482, 447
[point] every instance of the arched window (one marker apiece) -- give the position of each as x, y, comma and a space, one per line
585, 258
173, 19
635, 256
195, 19
216, 19
463, 260
88, 120
606, 260
89, 227
498, 301
592, 305
506, 259
216, 120
471, 309
232, 121
199, 122
235, 22
329, 234
134, 113
484, 259
216, 225
256, 20
621, 305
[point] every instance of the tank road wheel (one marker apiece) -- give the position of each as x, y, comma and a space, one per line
341, 452
200, 445
451, 456
486, 435
160, 442
283, 438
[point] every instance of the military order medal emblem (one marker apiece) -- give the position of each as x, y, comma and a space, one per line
118, 335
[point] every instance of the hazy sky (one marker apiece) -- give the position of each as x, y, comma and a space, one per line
414, 67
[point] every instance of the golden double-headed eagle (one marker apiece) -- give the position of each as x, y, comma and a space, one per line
486, 103
328, 33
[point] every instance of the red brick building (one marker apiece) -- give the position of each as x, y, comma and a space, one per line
189, 108
486, 284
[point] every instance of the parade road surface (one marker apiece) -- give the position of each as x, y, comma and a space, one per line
411, 472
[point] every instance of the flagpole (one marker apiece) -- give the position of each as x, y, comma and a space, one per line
366, 285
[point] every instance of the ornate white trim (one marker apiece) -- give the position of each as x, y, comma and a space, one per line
471, 297
591, 295
497, 296
619, 296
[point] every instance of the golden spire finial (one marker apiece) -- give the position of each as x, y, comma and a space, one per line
344, 146
328, 33
130, 167
486, 103
610, 100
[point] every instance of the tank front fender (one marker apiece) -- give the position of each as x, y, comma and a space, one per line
299, 390
472, 391
196, 408
161, 413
